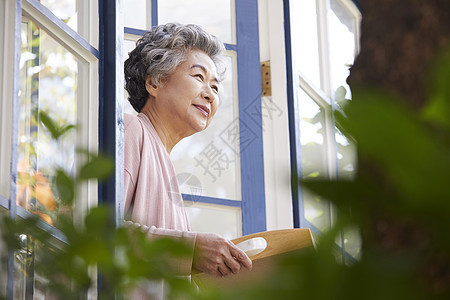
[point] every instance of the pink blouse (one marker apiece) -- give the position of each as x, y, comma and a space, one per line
152, 195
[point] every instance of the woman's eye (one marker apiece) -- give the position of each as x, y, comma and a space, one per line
200, 76
215, 88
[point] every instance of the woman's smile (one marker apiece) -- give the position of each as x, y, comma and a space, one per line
203, 109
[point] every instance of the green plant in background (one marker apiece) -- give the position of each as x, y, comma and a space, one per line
34, 186
124, 256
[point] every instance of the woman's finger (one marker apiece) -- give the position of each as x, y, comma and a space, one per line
241, 257
224, 270
232, 264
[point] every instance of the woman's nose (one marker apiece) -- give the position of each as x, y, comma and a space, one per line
208, 94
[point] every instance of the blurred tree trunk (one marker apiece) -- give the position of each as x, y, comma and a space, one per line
399, 39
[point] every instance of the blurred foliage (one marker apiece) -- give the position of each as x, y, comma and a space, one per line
51, 195
66, 269
399, 200
125, 256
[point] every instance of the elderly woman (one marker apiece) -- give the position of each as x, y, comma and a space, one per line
173, 83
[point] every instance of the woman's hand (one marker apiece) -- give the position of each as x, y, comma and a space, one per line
217, 256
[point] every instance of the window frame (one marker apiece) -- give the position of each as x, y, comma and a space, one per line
323, 97
88, 60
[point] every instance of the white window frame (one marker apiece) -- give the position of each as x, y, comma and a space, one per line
86, 50
323, 95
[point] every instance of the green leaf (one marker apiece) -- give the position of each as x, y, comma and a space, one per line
45, 119
437, 109
66, 128
65, 187
55, 130
411, 156
99, 167
97, 219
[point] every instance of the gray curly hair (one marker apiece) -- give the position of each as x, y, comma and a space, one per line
159, 51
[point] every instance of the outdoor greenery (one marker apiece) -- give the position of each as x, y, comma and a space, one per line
399, 200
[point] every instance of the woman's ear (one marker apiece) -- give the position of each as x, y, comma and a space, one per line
151, 88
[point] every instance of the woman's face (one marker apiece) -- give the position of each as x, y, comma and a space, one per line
188, 99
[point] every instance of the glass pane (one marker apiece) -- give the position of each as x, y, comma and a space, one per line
215, 16
305, 43
314, 158
337, 251
66, 10
347, 159
135, 13
338, 256
28, 282
352, 242
342, 46
3, 257
48, 84
219, 219
23, 258
40, 281
312, 137
317, 210
211, 158
128, 46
